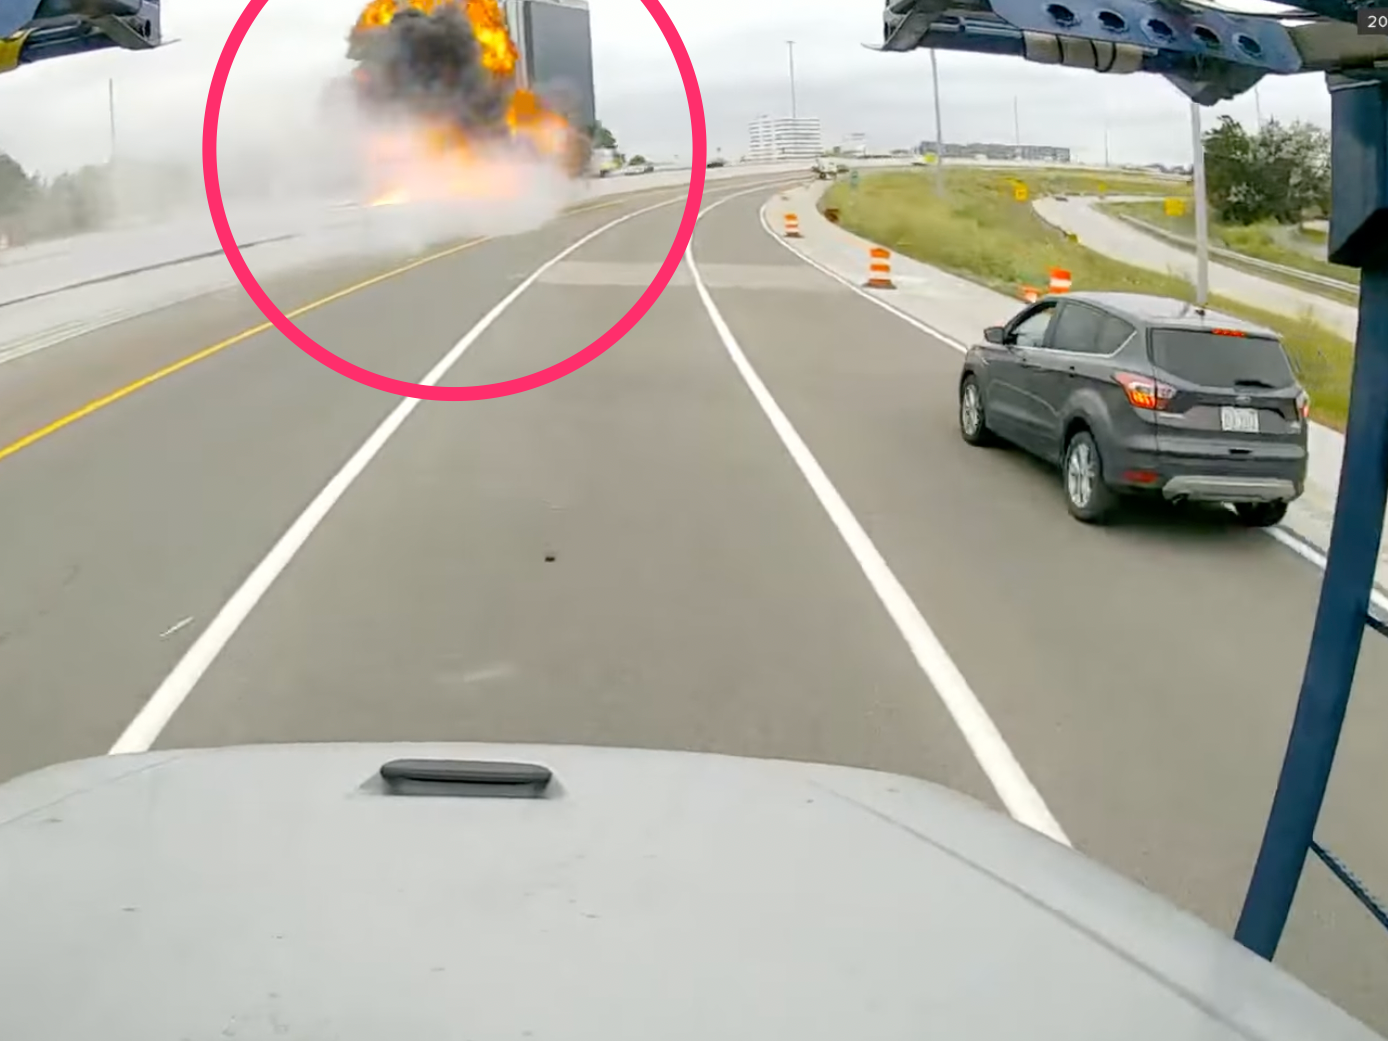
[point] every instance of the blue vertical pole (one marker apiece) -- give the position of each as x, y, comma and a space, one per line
1359, 236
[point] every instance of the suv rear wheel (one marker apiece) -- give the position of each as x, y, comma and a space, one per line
1261, 514
1086, 494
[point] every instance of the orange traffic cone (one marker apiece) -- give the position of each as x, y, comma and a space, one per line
880, 269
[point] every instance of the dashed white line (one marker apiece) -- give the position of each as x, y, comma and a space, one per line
1016, 791
146, 727
175, 627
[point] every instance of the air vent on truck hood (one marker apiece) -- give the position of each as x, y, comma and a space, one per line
466, 778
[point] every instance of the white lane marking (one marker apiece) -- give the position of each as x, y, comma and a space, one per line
1001, 767
1313, 554
492, 672
151, 720
175, 627
1298, 544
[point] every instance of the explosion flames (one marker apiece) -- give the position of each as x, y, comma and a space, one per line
442, 75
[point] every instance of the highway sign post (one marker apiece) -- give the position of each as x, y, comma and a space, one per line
1095, 35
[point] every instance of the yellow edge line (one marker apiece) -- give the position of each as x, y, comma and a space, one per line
207, 352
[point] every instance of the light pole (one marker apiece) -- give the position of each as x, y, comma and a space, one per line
790, 44
1202, 217
939, 132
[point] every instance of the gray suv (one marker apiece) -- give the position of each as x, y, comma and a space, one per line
1143, 395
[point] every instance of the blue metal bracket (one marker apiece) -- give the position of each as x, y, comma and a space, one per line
1211, 55
37, 30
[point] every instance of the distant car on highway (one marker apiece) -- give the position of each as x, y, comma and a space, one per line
1135, 395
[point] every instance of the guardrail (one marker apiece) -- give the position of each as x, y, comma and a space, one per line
1310, 277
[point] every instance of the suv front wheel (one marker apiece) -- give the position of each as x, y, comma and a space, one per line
1088, 497
973, 424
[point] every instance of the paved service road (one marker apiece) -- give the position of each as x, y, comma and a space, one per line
633, 556
1122, 241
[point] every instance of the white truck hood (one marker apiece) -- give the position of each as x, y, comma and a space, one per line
283, 892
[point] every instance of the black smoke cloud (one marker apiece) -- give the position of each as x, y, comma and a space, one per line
430, 66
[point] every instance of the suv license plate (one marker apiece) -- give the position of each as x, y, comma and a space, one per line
1238, 420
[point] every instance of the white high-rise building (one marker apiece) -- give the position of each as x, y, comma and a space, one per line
784, 138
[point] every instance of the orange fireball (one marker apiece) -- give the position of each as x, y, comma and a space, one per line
433, 158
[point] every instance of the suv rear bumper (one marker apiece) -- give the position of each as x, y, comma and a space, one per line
1134, 464
1230, 489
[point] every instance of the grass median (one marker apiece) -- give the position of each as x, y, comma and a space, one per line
977, 229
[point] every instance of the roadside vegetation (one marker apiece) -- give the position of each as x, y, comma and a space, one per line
980, 231
1263, 188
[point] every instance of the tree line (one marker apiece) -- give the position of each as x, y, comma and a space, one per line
32, 208
1279, 173
93, 197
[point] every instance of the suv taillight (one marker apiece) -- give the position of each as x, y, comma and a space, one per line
1145, 392
1303, 404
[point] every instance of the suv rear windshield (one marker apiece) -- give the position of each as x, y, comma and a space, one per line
1221, 361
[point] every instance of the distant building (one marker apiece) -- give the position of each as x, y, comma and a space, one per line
784, 138
996, 152
556, 54
854, 144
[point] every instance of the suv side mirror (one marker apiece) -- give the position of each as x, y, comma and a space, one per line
995, 334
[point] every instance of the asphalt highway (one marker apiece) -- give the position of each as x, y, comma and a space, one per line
673, 547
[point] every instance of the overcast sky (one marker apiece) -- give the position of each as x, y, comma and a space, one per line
53, 115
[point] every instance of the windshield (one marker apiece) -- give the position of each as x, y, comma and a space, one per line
605, 374
1213, 360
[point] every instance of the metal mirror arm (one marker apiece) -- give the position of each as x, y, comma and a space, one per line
1212, 55
40, 30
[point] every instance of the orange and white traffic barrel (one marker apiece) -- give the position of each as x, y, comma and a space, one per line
1060, 280
880, 269
1030, 294
792, 226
